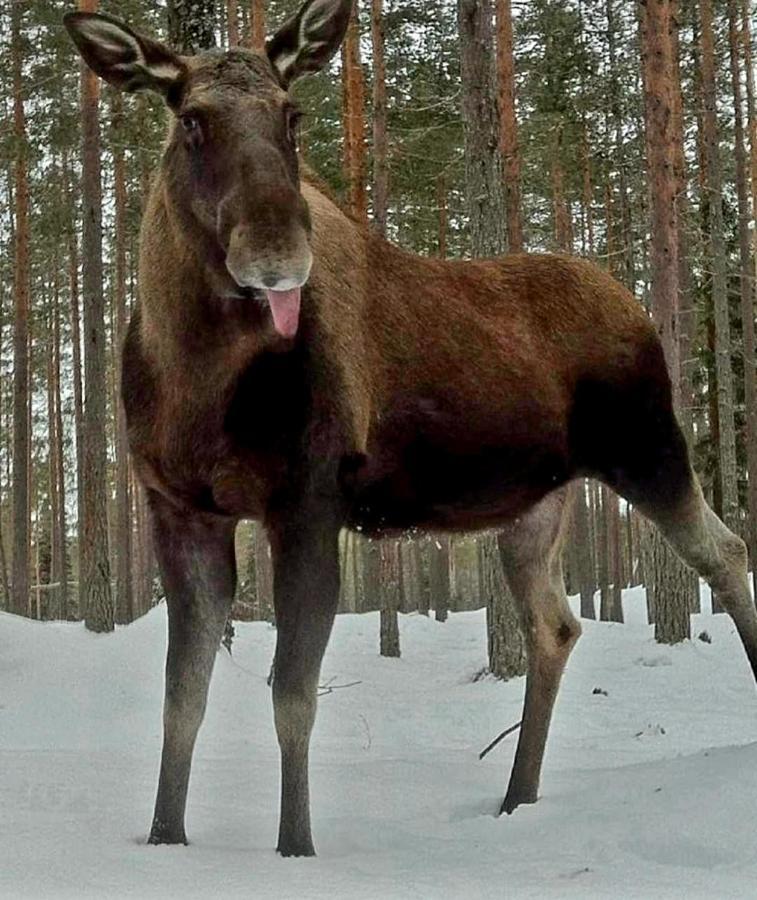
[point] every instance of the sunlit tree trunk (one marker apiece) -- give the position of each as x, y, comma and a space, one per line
508, 126
353, 87
257, 24
380, 147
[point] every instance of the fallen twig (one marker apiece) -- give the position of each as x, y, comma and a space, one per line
499, 738
330, 688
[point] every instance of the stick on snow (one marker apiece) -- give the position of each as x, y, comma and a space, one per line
499, 738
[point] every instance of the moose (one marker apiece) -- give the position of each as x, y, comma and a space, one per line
287, 364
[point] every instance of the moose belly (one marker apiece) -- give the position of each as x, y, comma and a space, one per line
427, 487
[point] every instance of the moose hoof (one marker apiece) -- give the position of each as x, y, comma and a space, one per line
512, 801
161, 833
296, 848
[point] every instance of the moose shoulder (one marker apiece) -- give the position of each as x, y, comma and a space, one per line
288, 365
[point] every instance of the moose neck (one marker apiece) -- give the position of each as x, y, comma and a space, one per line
200, 330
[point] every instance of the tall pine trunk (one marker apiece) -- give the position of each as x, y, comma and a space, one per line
508, 126
380, 147
668, 580
257, 24
21, 286
94, 581
125, 611
353, 87
718, 267
747, 273
485, 200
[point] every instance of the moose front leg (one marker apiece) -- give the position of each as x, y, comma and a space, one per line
197, 566
306, 591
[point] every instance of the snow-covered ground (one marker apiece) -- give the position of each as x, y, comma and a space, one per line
648, 791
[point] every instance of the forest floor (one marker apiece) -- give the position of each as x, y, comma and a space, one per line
649, 788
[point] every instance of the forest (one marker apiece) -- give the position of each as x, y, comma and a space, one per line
622, 132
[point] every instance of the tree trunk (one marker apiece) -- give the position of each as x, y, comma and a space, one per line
257, 25
94, 581
263, 574
124, 589
747, 273
508, 130
353, 86
581, 536
191, 25
390, 598
380, 162
73, 262
483, 168
717, 253
232, 22
21, 286
59, 456
506, 645
671, 580
438, 575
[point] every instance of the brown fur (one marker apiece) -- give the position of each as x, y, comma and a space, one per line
417, 393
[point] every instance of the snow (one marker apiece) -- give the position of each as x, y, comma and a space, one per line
648, 789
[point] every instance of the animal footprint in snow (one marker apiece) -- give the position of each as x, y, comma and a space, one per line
651, 731
651, 662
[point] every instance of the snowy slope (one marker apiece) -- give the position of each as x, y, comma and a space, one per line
649, 791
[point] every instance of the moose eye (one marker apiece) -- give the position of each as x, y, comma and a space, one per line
192, 128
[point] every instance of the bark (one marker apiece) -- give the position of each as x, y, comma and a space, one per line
94, 581
563, 228
746, 170
687, 313
438, 576
390, 598
717, 254
506, 645
483, 167
669, 581
626, 273
125, 611
508, 131
611, 607
353, 86
232, 22
263, 574
21, 287
441, 199
257, 24
190, 25
73, 262
584, 557
380, 147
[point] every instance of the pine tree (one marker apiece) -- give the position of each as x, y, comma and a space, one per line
95, 595
22, 279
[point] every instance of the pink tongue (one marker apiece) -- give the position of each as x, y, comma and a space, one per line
285, 307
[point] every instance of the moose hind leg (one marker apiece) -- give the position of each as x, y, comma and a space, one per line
531, 552
196, 560
719, 556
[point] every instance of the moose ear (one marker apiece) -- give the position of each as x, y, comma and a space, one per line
121, 56
307, 41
